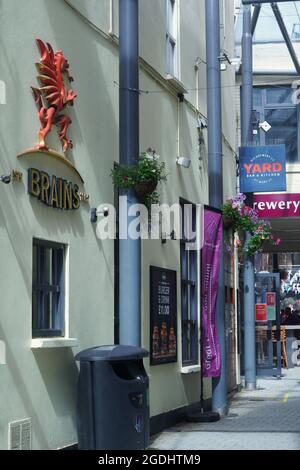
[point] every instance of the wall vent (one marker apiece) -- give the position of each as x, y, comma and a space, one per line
19, 435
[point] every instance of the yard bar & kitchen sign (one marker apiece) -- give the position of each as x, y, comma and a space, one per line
262, 168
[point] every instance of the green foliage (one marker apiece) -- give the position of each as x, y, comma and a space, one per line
148, 169
245, 218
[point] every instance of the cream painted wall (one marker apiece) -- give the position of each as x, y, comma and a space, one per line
41, 384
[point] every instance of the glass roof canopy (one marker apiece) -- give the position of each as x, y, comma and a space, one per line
270, 51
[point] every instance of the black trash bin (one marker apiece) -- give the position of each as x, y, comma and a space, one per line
113, 399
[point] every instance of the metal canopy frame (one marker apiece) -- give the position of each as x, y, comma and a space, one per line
257, 8
285, 35
255, 16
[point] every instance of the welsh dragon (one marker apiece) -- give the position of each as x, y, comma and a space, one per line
53, 97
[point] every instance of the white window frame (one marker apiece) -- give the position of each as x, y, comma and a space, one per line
172, 38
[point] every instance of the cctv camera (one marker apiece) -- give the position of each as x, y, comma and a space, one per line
95, 213
105, 211
6, 179
184, 161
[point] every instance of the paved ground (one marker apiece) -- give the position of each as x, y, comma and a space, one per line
265, 419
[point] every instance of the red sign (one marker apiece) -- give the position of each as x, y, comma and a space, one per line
271, 299
260, 312
277, 205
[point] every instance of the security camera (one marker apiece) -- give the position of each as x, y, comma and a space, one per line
184, 161
6, 179
104, 211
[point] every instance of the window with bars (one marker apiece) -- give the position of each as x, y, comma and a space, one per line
275, 105
171, 37
189, 285
48, 289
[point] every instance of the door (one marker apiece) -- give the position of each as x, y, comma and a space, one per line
267, 324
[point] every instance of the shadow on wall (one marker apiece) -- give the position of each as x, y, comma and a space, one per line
59, 372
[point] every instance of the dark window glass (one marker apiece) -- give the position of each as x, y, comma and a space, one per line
48, 289
275, 105
189, 282
283, 130
279, 95
257, 97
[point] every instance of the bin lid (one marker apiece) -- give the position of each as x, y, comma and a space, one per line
111, 353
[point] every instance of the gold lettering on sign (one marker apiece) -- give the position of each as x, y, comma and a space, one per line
45, 185
60, 192
55, 192
53, 201
68, 199
76, 197
34, 182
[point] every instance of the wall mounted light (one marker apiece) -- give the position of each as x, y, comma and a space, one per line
6, 179
165, 237
15, 175
95, 213
201, 122
183, 161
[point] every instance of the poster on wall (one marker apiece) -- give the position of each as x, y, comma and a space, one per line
261, 312
262, 168
210, 269
163, 316
271, 306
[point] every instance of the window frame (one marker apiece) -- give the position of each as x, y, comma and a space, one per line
265, 106
189, 288
172, 34
41, 288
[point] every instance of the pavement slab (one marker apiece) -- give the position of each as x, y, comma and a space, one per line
267, 418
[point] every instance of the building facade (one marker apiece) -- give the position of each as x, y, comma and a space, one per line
59, 281
275, 121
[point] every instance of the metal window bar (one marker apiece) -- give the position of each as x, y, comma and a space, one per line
189, 294
48, 289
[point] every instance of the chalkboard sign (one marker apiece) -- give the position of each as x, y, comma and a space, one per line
163, 316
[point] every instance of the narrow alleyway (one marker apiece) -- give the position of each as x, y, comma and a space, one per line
265, 419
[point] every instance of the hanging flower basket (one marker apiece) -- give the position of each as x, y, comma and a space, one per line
144, 188
245, 219
228, 222
143, 177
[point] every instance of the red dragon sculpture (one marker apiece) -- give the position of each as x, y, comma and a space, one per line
53, 97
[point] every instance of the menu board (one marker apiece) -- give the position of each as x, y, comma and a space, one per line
163, 316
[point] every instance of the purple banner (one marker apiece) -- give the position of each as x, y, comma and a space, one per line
210, 268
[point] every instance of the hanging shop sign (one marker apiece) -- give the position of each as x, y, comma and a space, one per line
210, 269
52, 98
277, 205
261, 312
262, 168
163, 316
